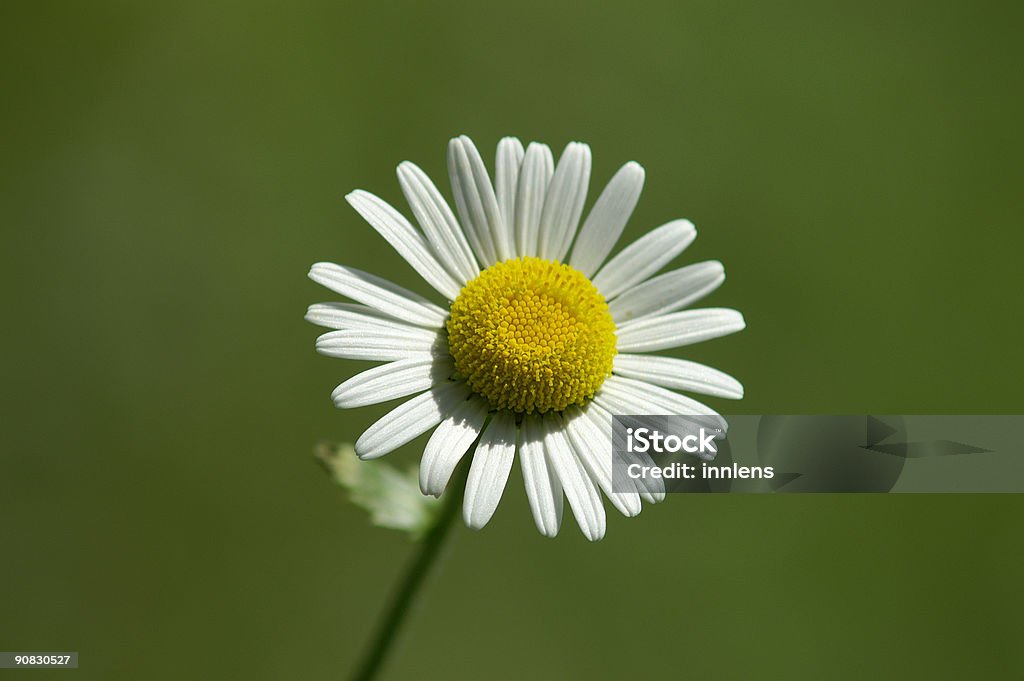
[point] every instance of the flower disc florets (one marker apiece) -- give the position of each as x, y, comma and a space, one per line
532, 335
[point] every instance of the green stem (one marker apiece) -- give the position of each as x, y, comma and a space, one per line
412, 580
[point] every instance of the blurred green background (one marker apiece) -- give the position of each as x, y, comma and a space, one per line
170, 170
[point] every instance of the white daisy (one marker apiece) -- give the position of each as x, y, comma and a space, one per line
539, 339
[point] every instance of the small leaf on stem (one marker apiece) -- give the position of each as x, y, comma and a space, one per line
391, 496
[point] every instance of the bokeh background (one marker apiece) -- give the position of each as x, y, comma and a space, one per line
169, 171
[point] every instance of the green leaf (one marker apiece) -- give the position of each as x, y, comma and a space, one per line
391, 496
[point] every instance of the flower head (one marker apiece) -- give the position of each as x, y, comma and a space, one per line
539, 341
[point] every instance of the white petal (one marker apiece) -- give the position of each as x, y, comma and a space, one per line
543, 489
391, 381
492, 462
449, 443
594, 449
475, 201
354, 316
644, 257
409, 420
601, 408
538, 166
438, 222
668, 292
607, 219
677, 329
564, 201
678, 374
379, 294
377, 345
651, 400
583, 497
508, 161
405, 239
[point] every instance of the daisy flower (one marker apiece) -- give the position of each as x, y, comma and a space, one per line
541, 337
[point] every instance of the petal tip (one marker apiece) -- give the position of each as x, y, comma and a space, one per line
474, 521
634, 168
427, 487
686, 226
362, 451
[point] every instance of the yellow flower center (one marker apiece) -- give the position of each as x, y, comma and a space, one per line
532, 335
